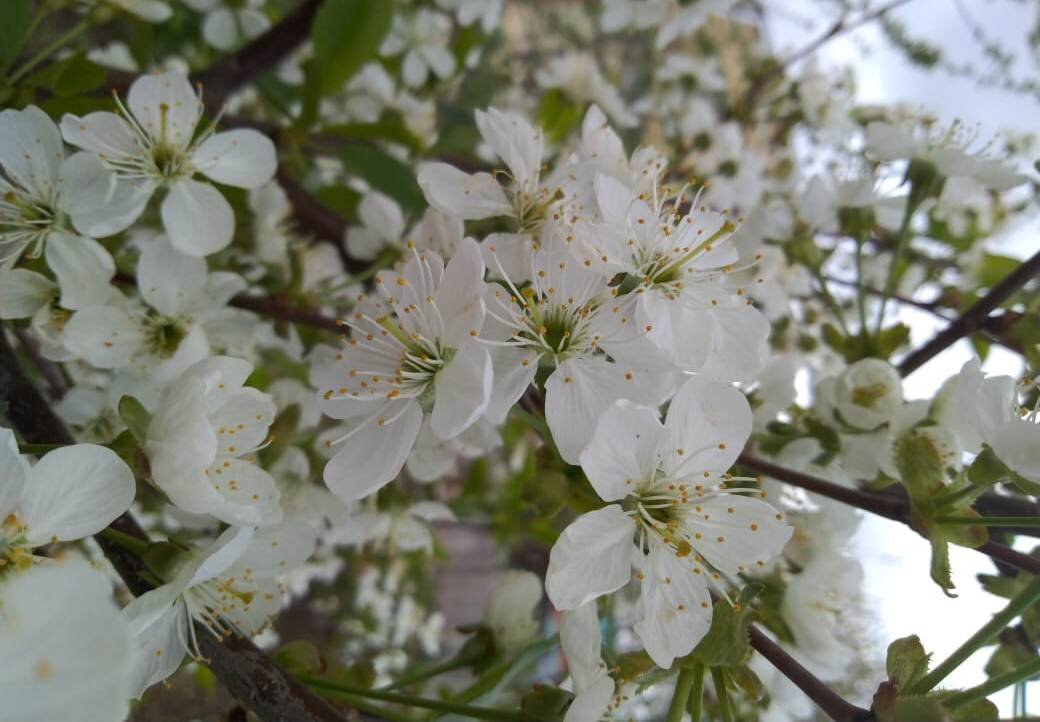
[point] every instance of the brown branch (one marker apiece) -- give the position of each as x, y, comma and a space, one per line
242, 668
274, 307
832, 704
975, 317
888, 506
326, 225
237, 69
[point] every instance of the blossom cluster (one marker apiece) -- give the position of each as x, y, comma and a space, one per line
377, 297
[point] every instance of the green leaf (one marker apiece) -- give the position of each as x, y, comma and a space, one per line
907, 661
995, 268
834, 338
75, 75
299, 657
920, 709
890, 339
965, 535
545, 702
136, 418
346, 34
385, 173
726, 643
981, 710
940, 567
748, 681
390, 127
558, 115
987, 469
15, 17
920, 466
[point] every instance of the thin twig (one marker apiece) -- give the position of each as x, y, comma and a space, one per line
975, 317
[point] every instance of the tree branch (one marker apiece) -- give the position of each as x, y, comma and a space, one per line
832, 704
975, 317
237, 69
242, 668
890, 507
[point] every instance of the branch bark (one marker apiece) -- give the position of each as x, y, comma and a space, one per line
247, 673
890, 507
975, 317
832, 704
238, 69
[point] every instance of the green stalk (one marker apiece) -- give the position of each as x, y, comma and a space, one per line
60, 42
719, 677
696, 701
429, 672
1032, 521
130, 543
681, 695
861, 293
485, 713
901, 240
831, 302
1022, 601
950, 500
993, 684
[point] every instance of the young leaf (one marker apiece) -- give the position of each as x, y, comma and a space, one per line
15, 17
136, 418
907, 661
347, 34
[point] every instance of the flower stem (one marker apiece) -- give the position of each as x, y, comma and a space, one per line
1022, 601
60, 42
429, 672
130, 543
681, 695
990, 520
718, 676
993, 684
696, 700
901, 240
485, 713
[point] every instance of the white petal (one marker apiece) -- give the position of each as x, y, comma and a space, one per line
83, 267
220, 29
623, 450
463, 390
515, 141
460, 296
242, 421
243, 158
250, 495
471, 197
23, 292
219, 557
160, 645
674, 610
708, 424
169, 280
380, 213
75, 491
197, 218
166, 106
277, 549
66, 648
592, 557
31, 150
104, 134
729, 344
100, 204
739, 532
182, 445
105, 336
581, 640
14, 473
576, 394
373, 456
514, 370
